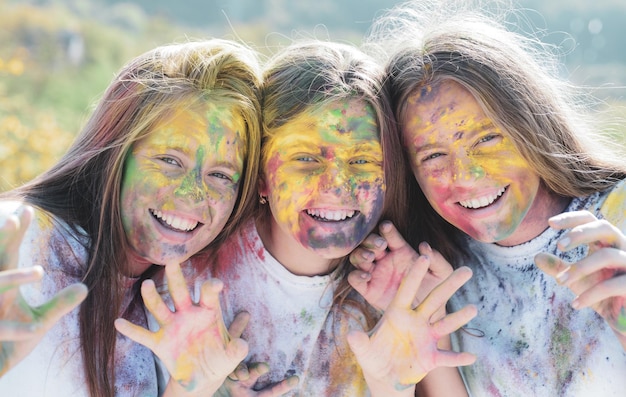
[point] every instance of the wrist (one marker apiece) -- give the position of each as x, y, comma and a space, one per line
387, 388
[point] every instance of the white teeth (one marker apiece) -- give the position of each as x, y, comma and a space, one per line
482, 201
176, 222
331, 215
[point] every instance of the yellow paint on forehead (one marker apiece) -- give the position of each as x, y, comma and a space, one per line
341, 123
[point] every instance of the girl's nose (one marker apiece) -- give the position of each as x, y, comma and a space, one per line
193, 188
334, 179
466, 170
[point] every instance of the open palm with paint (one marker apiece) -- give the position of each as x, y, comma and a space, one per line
21, 325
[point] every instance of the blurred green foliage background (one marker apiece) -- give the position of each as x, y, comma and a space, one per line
58, 56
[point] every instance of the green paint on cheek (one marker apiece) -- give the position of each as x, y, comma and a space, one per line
477, 171
236, 177
130, 169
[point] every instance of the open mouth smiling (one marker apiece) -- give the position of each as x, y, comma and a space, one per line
175, 223
325, 215
482, 202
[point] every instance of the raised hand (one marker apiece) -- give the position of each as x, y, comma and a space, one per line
402, 348
192, 341
383, 260
599, 279
21, 325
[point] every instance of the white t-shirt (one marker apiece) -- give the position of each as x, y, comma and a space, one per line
528, 339
55, 367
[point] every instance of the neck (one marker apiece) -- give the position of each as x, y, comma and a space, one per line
289, 252
136, 265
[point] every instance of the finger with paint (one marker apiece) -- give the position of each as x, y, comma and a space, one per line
21, 325
393, 259
599, 279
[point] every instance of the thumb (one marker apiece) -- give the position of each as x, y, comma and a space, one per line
359, 344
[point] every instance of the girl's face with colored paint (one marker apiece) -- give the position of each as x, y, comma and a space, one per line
323, 177
181, 182
468, 169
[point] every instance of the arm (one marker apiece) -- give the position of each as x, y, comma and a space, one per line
403, 347
599, 279
22, 326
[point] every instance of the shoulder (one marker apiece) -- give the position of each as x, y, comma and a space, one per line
52, 244
612, 205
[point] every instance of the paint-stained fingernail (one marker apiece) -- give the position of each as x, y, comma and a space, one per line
379, 242
293, 381
364, 275
368, 255
564, 243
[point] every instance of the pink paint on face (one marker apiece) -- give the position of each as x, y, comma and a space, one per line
181, 182
469, 169
324, 178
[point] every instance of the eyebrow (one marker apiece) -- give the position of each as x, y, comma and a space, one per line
459, 134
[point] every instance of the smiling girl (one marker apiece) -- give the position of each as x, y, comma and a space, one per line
505, 164
165, 166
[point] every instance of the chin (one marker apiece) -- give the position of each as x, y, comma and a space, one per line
332, 253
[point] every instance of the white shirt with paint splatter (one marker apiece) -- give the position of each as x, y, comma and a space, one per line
528, 339
291, 326
55, 367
